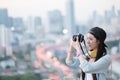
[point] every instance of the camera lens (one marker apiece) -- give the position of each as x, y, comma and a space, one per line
80, 37
74, 37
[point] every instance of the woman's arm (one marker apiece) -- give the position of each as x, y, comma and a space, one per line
72, 61
70, 54
96, 67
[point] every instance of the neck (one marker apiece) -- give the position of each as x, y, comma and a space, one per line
92, 59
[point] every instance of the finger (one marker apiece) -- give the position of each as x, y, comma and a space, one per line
77, 39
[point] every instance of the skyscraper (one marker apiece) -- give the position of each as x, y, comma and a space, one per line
6, 38
18, 22
30, 25
37, 21
70, 17
4, 17
55, 22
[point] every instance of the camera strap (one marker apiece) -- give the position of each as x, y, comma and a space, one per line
83, 50
82, 47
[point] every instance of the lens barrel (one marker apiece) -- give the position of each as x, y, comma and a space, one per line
80, 37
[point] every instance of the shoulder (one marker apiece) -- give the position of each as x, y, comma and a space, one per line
106, 58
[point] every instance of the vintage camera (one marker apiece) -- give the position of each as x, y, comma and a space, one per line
80, 37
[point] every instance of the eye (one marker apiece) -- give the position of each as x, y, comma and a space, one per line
89, 38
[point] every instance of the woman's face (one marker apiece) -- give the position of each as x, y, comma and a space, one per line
92, 42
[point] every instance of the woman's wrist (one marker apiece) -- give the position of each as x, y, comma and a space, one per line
79, 52
81, 58
71, 51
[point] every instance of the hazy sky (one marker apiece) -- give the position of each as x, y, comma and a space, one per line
83, 8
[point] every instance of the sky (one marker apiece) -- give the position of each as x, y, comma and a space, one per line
83, 8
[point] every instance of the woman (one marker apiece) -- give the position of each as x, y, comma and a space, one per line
98, 62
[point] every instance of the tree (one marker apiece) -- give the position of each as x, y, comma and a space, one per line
29, 76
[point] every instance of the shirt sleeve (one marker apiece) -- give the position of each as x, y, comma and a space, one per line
74, 63
100, 66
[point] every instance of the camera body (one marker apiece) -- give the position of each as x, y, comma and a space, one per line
80, 37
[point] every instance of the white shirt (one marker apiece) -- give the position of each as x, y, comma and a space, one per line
89, 76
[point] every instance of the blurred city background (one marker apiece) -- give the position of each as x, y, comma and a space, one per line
35, 36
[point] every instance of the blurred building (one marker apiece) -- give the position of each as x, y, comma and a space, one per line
2, 51
82, 28
6, 38
118, 16
30, 25
55, 22
4, 17
37, 21
109, 15
18, 24
7, 64
70, 17
39, 28
10, 22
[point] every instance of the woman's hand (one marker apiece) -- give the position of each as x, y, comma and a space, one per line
75, 45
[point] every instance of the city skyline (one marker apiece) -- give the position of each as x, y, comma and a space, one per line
83, 8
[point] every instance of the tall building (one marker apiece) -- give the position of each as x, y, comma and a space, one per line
10, 22
56, 23
109, 15
30, 25
4, 17
71, 18
39, 28
18, 22
6, 38
118, 16
113, 13
37, 21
